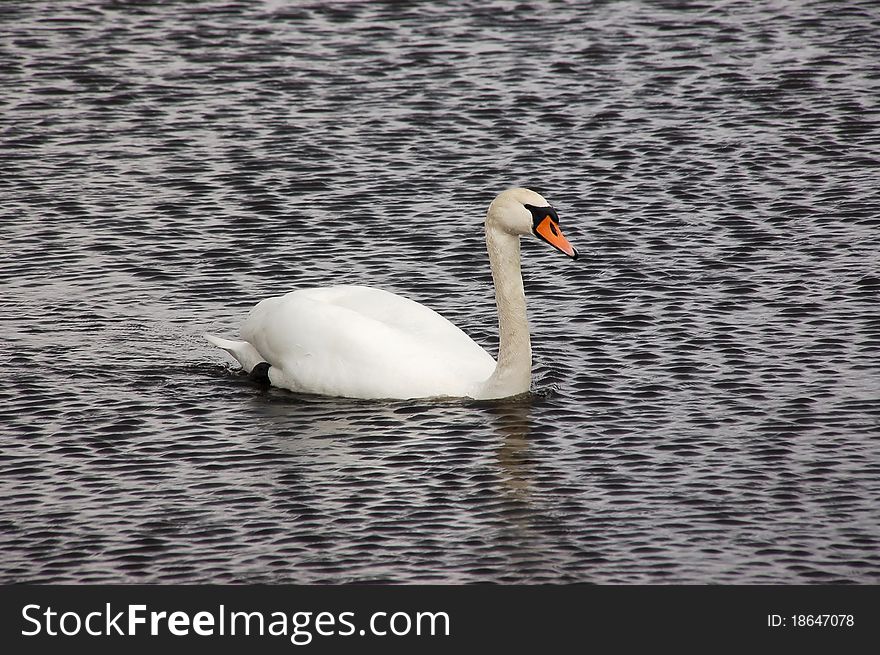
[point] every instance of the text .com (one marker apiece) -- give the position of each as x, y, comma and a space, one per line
300, 627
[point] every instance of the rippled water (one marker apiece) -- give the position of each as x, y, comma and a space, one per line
706, 402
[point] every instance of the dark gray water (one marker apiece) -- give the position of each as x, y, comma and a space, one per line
706, 403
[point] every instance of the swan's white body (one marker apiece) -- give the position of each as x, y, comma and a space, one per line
363, 342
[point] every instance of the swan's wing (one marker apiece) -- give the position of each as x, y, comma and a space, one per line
400, 313
364, 342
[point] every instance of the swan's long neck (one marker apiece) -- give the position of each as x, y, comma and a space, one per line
513, 372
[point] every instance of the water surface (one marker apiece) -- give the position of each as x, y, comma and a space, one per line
706, 394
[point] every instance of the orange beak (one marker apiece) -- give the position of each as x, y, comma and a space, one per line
548, 230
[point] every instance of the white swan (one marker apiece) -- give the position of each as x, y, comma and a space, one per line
362, 342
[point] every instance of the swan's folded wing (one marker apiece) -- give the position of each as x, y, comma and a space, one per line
365, 343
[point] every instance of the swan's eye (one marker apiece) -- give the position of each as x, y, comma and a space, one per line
545, 226
541, 213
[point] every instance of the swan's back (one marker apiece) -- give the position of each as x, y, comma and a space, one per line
363, 342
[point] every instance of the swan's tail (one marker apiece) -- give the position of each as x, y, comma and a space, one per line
244, 353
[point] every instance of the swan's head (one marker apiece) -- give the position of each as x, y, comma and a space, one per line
523, 212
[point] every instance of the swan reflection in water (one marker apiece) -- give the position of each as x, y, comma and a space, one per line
362, 433
512, 422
